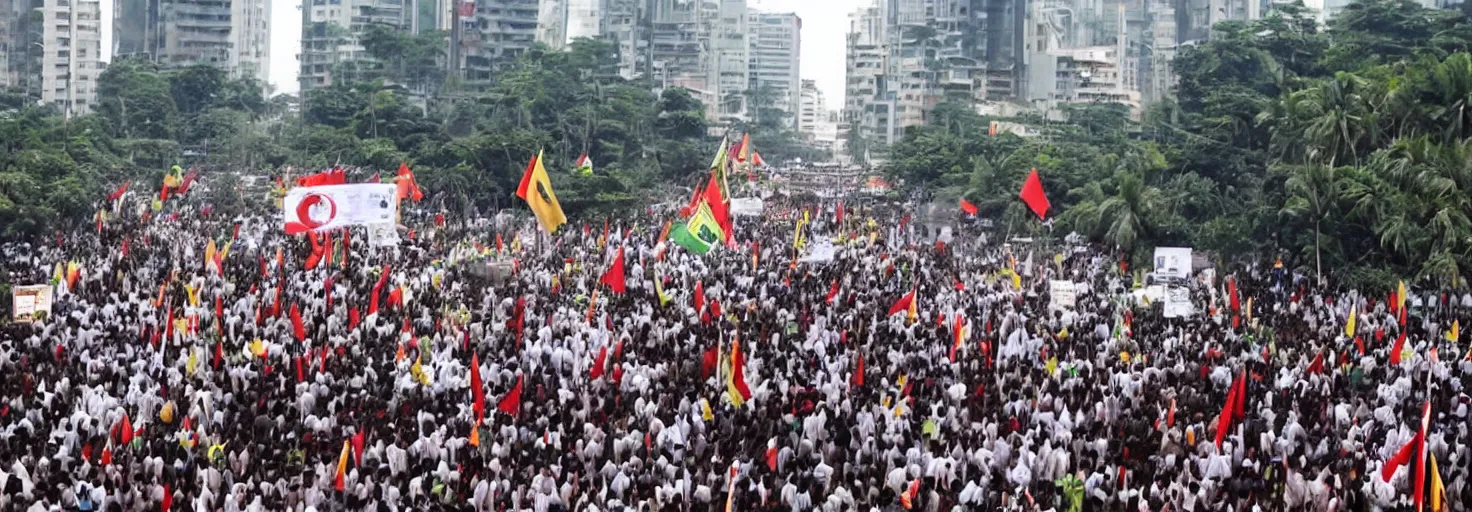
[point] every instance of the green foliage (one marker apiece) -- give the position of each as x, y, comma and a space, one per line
1345, 149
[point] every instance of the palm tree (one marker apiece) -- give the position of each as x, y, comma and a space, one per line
1314, 191
1124, 216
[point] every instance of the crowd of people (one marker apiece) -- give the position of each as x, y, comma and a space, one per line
246, 382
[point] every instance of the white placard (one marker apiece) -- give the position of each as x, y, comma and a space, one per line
1174, 261
1178, 302
338, 206
822, 251
382, 235
26, 301
747, 206
1062, 294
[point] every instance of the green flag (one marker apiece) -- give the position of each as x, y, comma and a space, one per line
701, 233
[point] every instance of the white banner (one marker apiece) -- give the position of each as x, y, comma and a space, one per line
747, 206
26, 301
1178, 303
1063, 295
338, 206
1175, 261
382, 234
822, 251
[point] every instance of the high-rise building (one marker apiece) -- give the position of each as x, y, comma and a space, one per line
71, 59
775, 59
496, 33
233, 35
330, 32
812, 110
559, 22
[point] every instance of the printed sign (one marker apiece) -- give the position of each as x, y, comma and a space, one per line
29, 301
338, 206
1178, 302
1063, 295
1173, 261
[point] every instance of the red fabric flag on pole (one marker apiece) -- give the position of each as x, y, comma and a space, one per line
1224, 420
597, 370
122, 189
477, 388
297, 328
614, 276
1395, 350
699, 297
1032, 194
904, 304
511, 403
967, 207
408, 188
859, 372
832, 292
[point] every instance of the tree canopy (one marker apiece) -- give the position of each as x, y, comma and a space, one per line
1345, 148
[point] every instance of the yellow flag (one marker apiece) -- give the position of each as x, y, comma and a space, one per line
193, 295
257, 349
536, 189
1052, 365
1437, 498
209, 255
902, 380
1456, 333
1016, 280
190, 365
1349, 325
1063, 334
705, 410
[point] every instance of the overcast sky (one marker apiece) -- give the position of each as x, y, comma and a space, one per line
824, 23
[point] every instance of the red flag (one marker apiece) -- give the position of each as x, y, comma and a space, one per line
477, 389
1419, 496
838, 217
708, 362
301, 375
699, 297
772, 455
296, 323
1395, 350
327, 291
967, 207
1232, 293
357, 442
353, 318
125, 430
717, 202
518, 320
168, 501
1318, 365
1401, 458
859, 372
1224, 420
219, 353
614, 276
1032, 194
378, 290
122, 189
511, 403
694, 202
832, 291
375, 178
1239, 408
1360, 344
407, 187
597, 370
903, 304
